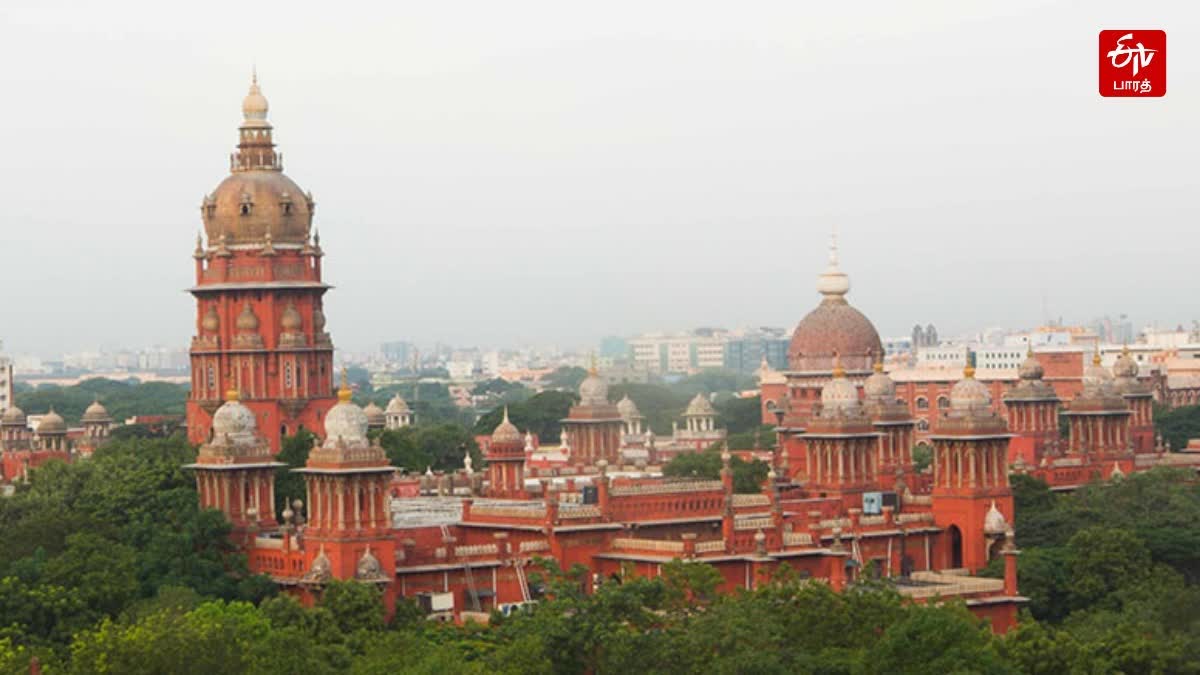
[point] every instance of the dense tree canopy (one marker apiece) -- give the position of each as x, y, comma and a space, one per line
541, 414
748, 477
122, 399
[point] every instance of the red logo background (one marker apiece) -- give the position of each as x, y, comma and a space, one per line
1150, 80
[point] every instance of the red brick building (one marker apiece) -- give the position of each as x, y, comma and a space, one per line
260, 321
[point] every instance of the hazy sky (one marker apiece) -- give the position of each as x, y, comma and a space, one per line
504, 172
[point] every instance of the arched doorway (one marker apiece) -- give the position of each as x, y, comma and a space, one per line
956, 546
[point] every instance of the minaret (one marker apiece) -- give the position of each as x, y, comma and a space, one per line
349, 524
1032, 408
260, 321
970, 474
235, 471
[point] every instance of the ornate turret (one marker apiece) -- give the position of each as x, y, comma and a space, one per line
594, 427
1032, 407
398, 414
258, 290
1099, 417
840, 442
506, 460
892, 419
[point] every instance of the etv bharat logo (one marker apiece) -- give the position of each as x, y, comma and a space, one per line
1133, 63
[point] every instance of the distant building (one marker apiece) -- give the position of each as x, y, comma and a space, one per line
613, 347
678, 353
745, 352
6, 382
398, 353
924, 337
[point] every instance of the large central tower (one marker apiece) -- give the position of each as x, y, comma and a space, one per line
260, 326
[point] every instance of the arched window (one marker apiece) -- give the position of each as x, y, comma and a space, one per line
922, 424
943, 402
922, 403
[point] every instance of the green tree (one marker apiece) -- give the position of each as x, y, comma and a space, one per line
566, 378
748, 477
541, 414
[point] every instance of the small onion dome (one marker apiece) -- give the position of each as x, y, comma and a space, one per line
994, 522
234, 420
1125, 367
13, 416
52, 423
506, 433
291, 318
1031, 368
254, 106
879, 387
397, 405
369, 568
593, 390
627, 407
969, 394
247, 321
211, 322
96, 413
321, 570
345, 422
1116, 471
374, 413
700, 406
839, 395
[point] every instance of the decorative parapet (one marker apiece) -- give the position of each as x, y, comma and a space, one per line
268, 542
655, 545
921, 500
746, 501
754, 523
497, 511
534, 546
1067, 461
873, 520
830, 523
797, 539
476, 549
440, 553
588, 511
945, 585
717, 546
906, 518
668, 488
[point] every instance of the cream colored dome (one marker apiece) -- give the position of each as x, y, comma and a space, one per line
969, 394
1031, 368
52, 423
234, 421
994, 522
13, 416
593, 390
397, 405
879, 387
1125, 367
345, 422
627, 408
1097, 380
96, 413
700, 406
839, 396
254, 106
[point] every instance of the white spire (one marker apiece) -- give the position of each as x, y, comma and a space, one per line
833, 282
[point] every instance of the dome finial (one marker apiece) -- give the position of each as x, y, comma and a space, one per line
833, 282
592, 370
1096, 354
505, 415
969, 370
344, 392
878, 366
838, 371
232, 394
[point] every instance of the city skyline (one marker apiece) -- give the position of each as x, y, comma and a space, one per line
458, 180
